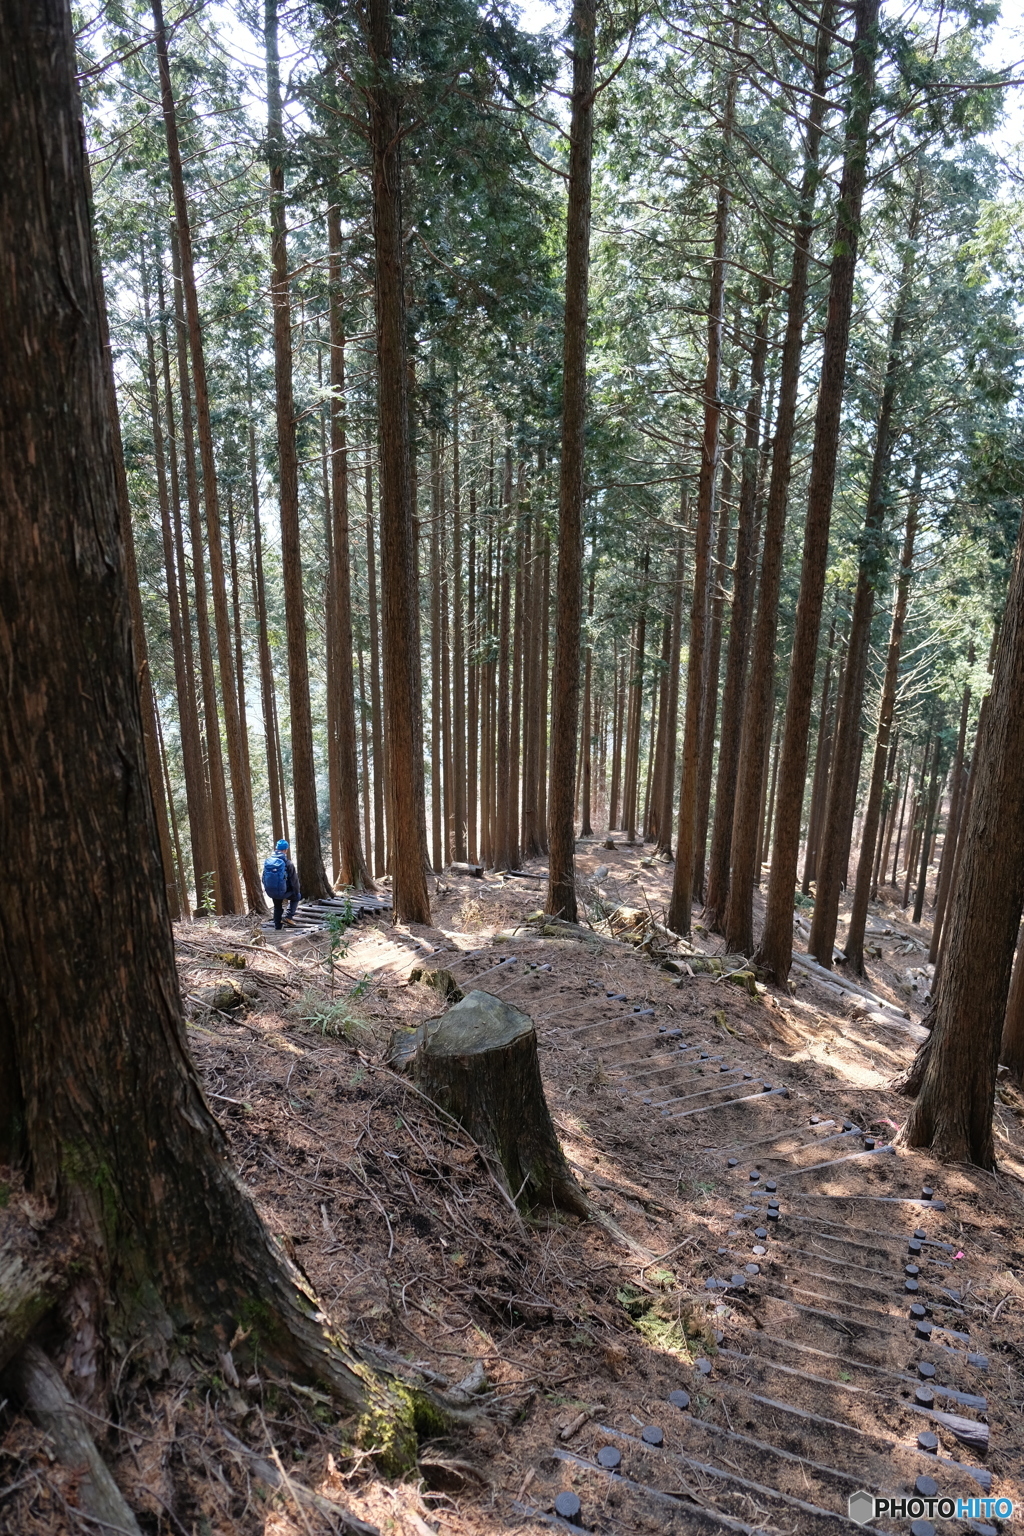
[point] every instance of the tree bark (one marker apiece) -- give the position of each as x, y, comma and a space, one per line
712, 674
352, 864
680, 902
953, 823
565, 682
956, 1066
376, 709
196, 792
102, 1105
241, 787
587, 733
1011, 1049
226, 892
760, 694
668, 785
834, 848
275, 779
479, 1062
775, 951
402, 693
309, 860
458, 648
739, 630
821, 762
886, 709
931, 805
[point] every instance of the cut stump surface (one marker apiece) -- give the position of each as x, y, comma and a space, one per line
479, 1062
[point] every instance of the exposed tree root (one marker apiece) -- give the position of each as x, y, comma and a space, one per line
41, 1387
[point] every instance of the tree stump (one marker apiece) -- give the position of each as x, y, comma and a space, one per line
479, 1062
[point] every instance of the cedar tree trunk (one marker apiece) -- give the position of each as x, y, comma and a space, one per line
309, 859
759, 703
352, 865
402, 701
862, 889
565, 680
99, 1101
775, 952
954, 1073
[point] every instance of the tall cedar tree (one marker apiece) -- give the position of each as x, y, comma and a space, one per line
696, 704
100, 1103
352, 865
241, 787
837, 820
565, 680
745, 851
954, 1073
309, 859
887, 707
400, 629
775, 952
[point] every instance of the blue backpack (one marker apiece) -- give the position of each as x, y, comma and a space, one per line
275, 877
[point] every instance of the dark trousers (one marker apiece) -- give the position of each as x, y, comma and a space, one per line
279, 901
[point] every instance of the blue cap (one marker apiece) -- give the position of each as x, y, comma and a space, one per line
282, 845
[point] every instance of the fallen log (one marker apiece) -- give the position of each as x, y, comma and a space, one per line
812, 968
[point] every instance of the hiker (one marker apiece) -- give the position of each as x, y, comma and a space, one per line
281, 883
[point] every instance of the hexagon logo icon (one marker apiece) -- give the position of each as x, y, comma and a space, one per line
862, 1506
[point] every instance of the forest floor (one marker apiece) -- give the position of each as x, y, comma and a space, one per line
793, 1339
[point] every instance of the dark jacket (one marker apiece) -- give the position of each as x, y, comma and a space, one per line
293, 878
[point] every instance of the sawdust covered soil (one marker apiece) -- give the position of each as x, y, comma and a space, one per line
415, 1250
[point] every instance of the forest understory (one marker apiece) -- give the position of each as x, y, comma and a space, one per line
569, 1337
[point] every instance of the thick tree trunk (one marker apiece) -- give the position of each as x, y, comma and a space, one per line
760, 695
309, 860
479, 1062
739, 630
100, 1102
775, 951
956, 1066
402, 695
680, 902
565, 682
352, 864
886, 709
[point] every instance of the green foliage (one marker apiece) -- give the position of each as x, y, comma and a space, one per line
335, 1018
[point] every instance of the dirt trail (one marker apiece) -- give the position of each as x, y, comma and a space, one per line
743, 1144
